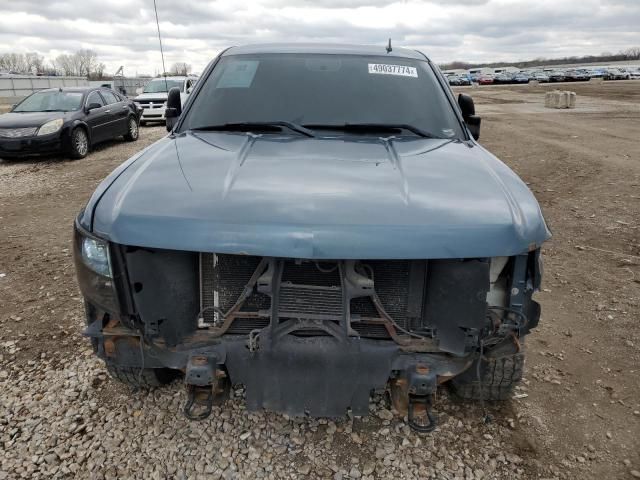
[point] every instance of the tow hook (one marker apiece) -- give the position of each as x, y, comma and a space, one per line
207, 385
419, 408
412, 393
202, 396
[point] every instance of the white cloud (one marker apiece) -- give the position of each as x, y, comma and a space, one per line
123, 32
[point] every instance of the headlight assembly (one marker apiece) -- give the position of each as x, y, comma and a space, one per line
50, 127
95, 255
93, 267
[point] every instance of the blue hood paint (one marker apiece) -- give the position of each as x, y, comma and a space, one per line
330, 197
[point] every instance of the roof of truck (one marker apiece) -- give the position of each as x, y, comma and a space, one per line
326, 48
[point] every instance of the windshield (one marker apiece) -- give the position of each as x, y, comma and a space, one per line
316, 89
51, 101
161, 85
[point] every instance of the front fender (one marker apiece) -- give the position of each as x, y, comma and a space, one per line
68, 128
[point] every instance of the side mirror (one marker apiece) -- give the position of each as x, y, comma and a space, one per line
93, 106
139, 90
468, 109
174, 108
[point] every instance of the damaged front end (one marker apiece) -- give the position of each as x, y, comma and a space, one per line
305, 336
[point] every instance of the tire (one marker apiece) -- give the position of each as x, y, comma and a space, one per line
143, 123
132, 130
147, 378
501, 370
79, 143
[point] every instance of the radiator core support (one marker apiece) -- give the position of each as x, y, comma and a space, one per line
424, 305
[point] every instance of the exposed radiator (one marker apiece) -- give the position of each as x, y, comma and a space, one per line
310, 290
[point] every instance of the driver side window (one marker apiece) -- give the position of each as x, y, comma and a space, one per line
94, 97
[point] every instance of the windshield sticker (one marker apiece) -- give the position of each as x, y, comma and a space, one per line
399, 70
238, 74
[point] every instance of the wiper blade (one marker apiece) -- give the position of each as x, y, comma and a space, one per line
372, 127
247, 126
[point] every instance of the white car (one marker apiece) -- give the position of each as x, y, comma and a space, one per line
634, 74
153, 98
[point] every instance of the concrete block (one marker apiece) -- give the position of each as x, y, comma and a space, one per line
560, 99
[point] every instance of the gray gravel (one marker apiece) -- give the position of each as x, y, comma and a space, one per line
64, 417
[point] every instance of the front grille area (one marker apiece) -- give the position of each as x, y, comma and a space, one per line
385, 298
307, 290
17, 132
147, 103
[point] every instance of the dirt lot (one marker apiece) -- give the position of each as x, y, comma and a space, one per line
579, 411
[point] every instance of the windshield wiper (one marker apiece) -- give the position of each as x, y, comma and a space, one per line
247, 126
374, 127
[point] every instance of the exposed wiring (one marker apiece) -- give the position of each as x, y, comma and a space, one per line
217, 310
384, 312
510, 310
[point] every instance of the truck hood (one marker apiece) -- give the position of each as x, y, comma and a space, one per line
333, 197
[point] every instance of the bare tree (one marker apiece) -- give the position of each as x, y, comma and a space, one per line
98, 72
180, 68
13, 62
34, 62
87, 61
633, 53
66, 64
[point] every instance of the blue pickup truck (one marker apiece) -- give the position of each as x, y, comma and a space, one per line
319, 224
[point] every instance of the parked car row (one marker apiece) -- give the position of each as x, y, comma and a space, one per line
459, 80
543, 76
616, 74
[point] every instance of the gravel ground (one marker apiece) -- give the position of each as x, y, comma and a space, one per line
71, 421
576, 415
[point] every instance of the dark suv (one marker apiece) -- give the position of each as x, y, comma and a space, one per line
320, 223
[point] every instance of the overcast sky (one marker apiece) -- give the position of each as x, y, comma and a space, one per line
123, 32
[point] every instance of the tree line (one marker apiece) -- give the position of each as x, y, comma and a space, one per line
629, 54
83, 63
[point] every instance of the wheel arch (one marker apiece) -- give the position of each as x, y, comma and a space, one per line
83, 125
